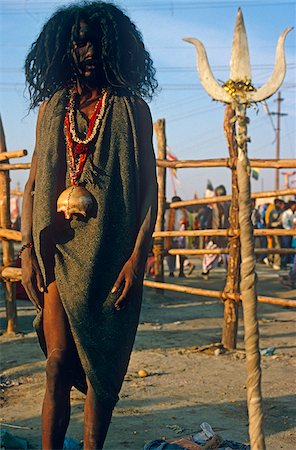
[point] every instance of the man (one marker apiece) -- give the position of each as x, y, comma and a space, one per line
89, 208
258, 222
274, 221
288, 216
177, 219
220, 219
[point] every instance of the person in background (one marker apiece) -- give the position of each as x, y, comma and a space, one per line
274, 221
289, 281
287, 219
258, 223
176, 219
220, 219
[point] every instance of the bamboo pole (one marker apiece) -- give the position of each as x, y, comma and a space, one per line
274, 232
248, 285
4, 167
276, 301
275, 251
16, 193
227, 162
227, 198
198, 251
222, 251
7, 246
11, 274
216, 294
273, 163
225, 232
158, 247
231, 307
15, 154
185, 289
191, 233
10, 235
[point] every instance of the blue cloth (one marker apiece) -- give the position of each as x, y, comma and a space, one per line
70, 444
159, 444
9, 441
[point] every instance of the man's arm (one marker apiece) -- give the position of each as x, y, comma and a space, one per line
134, 267
31, 275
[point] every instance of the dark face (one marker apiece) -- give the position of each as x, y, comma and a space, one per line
85, 55
280, 205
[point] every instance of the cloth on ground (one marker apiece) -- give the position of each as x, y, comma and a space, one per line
9, 441
199, 438
159, 444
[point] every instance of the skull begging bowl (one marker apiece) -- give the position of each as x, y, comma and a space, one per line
76, 200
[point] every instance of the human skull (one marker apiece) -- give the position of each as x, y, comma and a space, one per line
76, 200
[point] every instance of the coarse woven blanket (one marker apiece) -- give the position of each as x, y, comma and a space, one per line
89, 254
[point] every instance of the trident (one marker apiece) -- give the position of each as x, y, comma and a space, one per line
239, 92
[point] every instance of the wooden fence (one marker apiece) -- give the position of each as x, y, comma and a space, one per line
230, 295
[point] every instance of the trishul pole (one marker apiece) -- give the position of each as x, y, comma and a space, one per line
239, 93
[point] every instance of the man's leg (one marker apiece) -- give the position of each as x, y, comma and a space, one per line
171, 260
97, 417
277, 256
61, 352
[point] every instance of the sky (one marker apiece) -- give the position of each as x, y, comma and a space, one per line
194, 123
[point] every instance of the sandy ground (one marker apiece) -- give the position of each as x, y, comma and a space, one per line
184, 387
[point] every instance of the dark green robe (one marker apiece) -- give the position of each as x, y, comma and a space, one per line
89, 254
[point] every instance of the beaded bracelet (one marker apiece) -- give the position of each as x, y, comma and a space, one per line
28, 245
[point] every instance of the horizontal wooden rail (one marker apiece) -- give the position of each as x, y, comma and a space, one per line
16, 193
10, 235
274, 232
4, 156
198, 251
217, 294
183, 164
275, 251
4, 166
227, 233
227, 198
222, 251
190, 290
11, 273
192, 233
227, 162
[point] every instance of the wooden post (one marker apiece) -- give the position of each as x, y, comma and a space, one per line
158, 247
231, 307
248, 285
7, 246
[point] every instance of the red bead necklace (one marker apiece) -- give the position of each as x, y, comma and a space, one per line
78, 149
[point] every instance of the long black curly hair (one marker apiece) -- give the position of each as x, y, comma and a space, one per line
125, 62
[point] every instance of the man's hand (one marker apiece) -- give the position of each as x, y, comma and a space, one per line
126, 280
31, 276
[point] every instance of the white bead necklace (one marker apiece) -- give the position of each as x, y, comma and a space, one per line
97, 121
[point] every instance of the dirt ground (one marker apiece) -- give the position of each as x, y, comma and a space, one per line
184, 387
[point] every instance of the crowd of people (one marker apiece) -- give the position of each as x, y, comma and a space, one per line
273, 215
